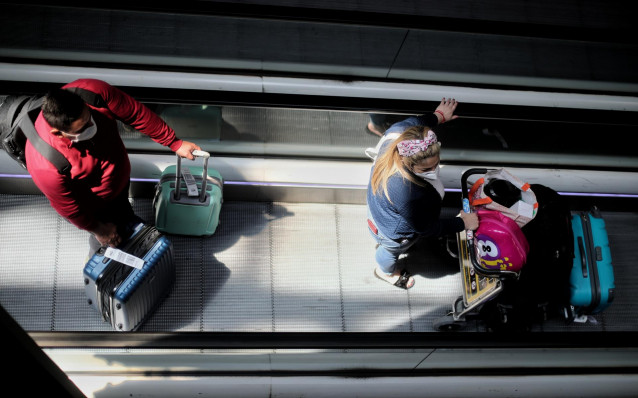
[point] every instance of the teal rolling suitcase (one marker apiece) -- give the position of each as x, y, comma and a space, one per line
188, 200
592, 277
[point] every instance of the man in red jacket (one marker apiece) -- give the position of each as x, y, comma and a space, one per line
94, 194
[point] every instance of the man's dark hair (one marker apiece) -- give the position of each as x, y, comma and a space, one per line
61, 108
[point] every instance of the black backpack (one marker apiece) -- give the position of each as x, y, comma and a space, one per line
17, 118
542, 289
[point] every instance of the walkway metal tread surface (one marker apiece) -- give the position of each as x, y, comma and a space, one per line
270, 267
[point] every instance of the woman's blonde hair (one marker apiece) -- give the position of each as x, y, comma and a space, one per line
390, 162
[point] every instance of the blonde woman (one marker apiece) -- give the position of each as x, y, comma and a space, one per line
405, 193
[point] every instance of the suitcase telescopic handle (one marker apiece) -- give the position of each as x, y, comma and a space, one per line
178, 173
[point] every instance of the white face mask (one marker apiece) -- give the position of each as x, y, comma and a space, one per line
429, 175
85, 135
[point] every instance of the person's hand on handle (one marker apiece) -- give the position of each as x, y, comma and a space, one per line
106, 234
186, 149
445, 111
470, 220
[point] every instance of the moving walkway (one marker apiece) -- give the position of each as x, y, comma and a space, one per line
287, 279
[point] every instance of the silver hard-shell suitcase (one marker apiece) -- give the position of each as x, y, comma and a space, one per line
126, 285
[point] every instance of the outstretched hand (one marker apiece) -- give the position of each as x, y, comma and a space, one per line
445, 111
186, 149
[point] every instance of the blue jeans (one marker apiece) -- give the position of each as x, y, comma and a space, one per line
388, 250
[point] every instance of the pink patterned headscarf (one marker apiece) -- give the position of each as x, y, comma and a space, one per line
411, 147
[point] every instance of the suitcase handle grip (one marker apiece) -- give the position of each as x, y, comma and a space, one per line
203, 154
196, 153
583, 256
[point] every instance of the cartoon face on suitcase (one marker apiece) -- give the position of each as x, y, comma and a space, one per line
490, 254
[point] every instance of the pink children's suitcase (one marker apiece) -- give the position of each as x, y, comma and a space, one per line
499, 242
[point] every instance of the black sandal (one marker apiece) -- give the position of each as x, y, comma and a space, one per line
402, 282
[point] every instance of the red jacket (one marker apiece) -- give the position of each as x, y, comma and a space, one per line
100, 168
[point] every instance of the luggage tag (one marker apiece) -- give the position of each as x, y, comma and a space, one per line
124, 258
191, 185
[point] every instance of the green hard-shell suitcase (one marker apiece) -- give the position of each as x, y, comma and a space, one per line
185, 202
